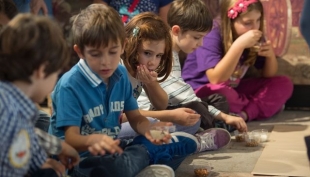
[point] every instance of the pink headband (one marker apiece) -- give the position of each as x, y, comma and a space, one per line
239, 7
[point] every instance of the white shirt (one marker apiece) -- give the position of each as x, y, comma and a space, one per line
178, 91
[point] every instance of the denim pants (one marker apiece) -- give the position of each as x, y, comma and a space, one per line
23, 6
44, 173
128, 164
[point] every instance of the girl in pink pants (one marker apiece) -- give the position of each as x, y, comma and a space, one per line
235, 44
257, 97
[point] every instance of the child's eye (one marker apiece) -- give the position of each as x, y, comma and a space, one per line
147, 53
95, 55
197, 38
159, 56
113, 53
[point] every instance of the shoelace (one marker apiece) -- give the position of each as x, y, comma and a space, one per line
207, 142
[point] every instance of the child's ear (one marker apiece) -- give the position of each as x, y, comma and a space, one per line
78, 51
175, 30
40, 72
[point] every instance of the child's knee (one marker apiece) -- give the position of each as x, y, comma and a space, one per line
286, 85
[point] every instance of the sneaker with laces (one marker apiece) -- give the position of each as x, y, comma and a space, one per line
156, 171
180, 144
212, 139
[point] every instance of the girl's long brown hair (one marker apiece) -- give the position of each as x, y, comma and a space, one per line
227, 28
151, 28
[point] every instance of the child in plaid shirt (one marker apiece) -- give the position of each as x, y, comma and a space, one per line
27, 75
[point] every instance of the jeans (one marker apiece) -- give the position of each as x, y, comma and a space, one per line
23, 6
128, 164
305, 22
44, 173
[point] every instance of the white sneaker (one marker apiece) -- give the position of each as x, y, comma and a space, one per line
156, 171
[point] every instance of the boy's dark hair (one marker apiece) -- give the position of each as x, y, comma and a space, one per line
190, 15
96, 26
27, 43
9, 8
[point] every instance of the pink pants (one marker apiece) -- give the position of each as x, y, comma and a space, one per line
260, 98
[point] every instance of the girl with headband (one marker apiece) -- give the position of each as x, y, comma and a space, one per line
233, 48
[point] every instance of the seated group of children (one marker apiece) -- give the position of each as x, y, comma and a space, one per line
127, 82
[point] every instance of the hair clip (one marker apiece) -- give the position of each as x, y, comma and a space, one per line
135, 31
239, 7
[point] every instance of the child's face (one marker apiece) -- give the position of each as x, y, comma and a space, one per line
150, 53
249, 21
103, 60
189, 41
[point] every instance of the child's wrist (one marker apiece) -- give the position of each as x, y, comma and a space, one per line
150, 84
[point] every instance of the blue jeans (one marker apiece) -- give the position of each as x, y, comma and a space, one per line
305, 22
23, 6
128, 164
128, 133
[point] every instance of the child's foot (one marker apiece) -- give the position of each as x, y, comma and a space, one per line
156, 171
180, 144
212, 139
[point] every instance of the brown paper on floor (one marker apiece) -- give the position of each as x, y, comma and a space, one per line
285, 153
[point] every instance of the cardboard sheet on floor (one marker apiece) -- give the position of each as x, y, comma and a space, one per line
285, 153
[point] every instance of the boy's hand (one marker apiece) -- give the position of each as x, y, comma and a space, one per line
165, 138
146, 76
266, 50
103, 143
68, 156
237, 122
185, 116
56, 166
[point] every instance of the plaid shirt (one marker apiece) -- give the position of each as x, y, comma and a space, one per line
20, 150
51, 144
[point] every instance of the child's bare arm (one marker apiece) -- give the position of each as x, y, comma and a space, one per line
223, 70
158, 96
237, 122
138, 122
181, 116
271, 64
142, 126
